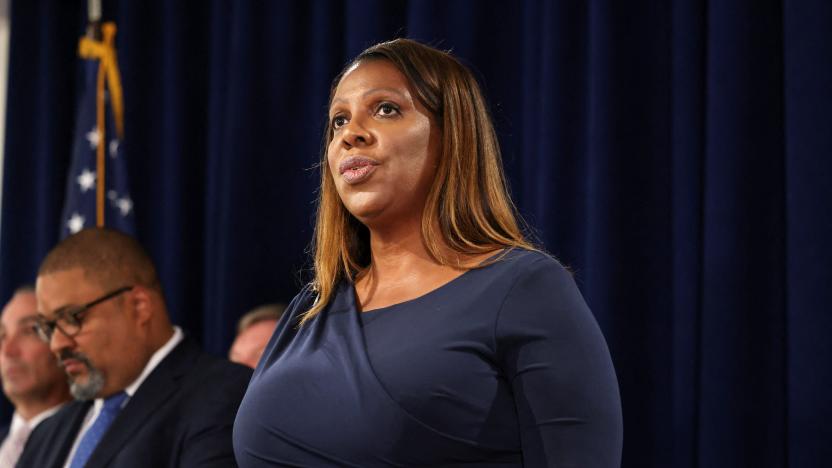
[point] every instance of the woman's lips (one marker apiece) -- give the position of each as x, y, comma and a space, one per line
357, 175
357, 169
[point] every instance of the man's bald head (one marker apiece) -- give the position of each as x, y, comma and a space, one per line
108, 257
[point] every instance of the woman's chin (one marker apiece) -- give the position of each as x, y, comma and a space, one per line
382, 213
365, 206
367, 214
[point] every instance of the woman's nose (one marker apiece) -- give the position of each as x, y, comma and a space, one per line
354, 134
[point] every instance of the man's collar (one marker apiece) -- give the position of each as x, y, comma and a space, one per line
152, 363
17, 419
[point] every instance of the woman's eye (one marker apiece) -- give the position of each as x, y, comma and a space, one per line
387, 109
338, 121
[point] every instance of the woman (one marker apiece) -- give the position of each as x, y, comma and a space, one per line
433, 333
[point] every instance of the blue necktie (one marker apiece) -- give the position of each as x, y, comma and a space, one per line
109, 411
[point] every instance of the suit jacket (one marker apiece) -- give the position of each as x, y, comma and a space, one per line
180, 416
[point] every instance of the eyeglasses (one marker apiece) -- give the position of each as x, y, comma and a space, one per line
68, 320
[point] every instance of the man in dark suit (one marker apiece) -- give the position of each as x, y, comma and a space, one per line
146, 395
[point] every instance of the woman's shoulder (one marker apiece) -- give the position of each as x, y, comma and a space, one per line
542, 295
526, 261
302, 302
533, 271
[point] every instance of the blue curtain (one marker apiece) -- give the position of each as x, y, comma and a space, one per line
676, 154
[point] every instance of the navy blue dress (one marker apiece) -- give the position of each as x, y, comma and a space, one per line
503, 366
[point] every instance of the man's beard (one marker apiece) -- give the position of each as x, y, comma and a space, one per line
95, 379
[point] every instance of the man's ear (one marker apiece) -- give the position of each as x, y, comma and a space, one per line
142, 301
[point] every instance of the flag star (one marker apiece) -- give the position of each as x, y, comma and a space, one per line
125, 205
75, 223
86, 180
112, 195
93, 137
113, 149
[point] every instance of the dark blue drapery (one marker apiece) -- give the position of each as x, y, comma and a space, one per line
676, 154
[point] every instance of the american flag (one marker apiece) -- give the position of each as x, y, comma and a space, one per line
81, 201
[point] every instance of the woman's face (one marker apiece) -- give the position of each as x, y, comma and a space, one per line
384, 150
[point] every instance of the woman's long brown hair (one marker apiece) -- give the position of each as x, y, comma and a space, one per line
468, 200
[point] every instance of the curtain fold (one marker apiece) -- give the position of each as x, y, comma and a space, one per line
807, 107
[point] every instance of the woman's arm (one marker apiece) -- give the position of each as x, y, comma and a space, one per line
557, 361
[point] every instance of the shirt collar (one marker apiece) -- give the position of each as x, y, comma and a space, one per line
18, 421
154, 361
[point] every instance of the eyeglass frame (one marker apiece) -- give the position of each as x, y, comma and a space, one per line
72, 313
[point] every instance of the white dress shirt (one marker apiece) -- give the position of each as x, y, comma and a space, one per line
11, 449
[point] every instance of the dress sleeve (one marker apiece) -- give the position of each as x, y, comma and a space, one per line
558, 365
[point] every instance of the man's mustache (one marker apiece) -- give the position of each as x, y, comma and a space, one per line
67, 354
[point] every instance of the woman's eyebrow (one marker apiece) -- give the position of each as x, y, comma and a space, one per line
383, 90
369, 92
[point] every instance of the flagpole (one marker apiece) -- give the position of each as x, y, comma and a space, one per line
94, 19
99, 151
94, 33
94, 11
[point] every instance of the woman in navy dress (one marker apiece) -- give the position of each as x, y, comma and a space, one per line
433, 333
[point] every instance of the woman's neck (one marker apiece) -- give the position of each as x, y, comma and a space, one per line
401, 267
397, 256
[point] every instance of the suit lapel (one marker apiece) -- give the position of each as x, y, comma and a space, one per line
158, 388
63, 436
